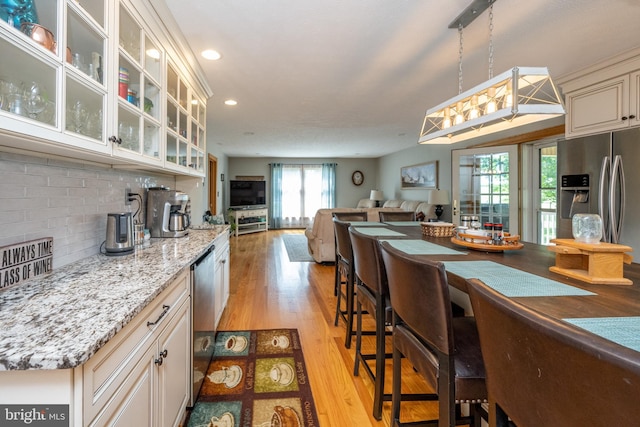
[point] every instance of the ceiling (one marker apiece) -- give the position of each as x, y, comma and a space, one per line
353, 78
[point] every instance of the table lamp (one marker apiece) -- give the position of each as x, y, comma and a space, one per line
438, 198
377, 196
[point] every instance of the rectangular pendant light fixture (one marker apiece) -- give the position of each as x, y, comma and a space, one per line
517, 97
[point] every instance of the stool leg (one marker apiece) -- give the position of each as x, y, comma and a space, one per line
356, 367
350, 292
380, 359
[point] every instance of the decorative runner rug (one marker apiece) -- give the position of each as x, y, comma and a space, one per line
297, 247
256, 378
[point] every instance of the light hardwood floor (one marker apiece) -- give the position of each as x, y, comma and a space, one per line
269, 291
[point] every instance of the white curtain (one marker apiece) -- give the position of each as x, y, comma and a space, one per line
298, 191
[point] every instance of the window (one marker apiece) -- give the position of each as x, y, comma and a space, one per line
547, 193
298, 191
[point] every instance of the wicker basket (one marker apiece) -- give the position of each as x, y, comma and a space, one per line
437, 229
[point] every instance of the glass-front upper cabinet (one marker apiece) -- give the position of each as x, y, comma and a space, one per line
177, 153
139, 107
197, 132
84, 71
53, 84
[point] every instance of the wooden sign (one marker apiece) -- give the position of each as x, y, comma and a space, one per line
24, 261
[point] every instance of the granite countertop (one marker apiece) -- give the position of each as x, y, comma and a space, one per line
59, 321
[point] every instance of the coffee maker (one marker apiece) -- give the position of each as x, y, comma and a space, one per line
167, 212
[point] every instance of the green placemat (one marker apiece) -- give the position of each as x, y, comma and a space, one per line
403, 223
422, 247
512, 282
366, 224
621, 330
378, 231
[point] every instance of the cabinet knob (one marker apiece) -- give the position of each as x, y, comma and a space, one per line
164, 353
158, 361
632, 116
115, 139
624, 118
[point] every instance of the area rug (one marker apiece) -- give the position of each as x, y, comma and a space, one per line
256, 378
297, 249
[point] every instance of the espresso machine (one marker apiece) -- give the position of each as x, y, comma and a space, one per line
167, 212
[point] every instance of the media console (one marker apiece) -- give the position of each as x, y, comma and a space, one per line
248, 220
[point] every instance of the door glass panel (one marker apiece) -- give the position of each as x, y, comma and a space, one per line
151, 139
182, 153
151, 99
128, 130
129, 33
485, 184
172, 82
85, 48
194, 158
183, 95
27, 85
95, 8
84, 112
182, 124
547, 194
194, 133
129, 81
172, 116
172, 149
152, 59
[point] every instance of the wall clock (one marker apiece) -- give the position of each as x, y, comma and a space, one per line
357, 178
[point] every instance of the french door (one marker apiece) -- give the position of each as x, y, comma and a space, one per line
484, 182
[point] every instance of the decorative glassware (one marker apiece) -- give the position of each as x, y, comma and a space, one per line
586, 228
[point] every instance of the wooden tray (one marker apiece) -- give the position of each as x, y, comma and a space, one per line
510, 243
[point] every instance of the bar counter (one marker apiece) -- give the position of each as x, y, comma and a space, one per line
608, 301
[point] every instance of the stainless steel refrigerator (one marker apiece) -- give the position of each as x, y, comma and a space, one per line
601, 174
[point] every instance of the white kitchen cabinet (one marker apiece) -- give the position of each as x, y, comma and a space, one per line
66, 100
604, 98
221, 275
141, 377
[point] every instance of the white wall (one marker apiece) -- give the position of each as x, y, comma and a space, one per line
347, 194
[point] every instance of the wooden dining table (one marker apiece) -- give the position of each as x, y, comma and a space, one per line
525, 269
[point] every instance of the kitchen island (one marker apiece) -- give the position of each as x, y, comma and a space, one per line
101, 307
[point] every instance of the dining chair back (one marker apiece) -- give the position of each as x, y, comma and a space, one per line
397, 216
350, 216
344, 286
444, 349
372, 298
545, 372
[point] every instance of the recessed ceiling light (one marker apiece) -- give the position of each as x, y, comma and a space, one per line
230, 102
211, 54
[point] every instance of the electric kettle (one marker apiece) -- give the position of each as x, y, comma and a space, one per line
119, 234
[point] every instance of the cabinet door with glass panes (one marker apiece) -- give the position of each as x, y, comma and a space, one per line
177, 142
136, 134
52, 81
197, 133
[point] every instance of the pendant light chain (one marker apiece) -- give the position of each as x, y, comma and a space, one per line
460, 60
491, 41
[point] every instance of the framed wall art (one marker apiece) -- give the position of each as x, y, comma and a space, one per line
423, 176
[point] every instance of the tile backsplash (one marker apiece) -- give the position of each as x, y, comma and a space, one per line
69, 201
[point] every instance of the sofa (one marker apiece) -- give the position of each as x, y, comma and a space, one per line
320, 235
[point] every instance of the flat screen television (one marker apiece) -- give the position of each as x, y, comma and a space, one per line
245, 194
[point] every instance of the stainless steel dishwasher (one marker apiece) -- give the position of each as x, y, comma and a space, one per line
203, 318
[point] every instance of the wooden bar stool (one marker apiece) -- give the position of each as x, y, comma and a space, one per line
546, 372
444, 349
344, 273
